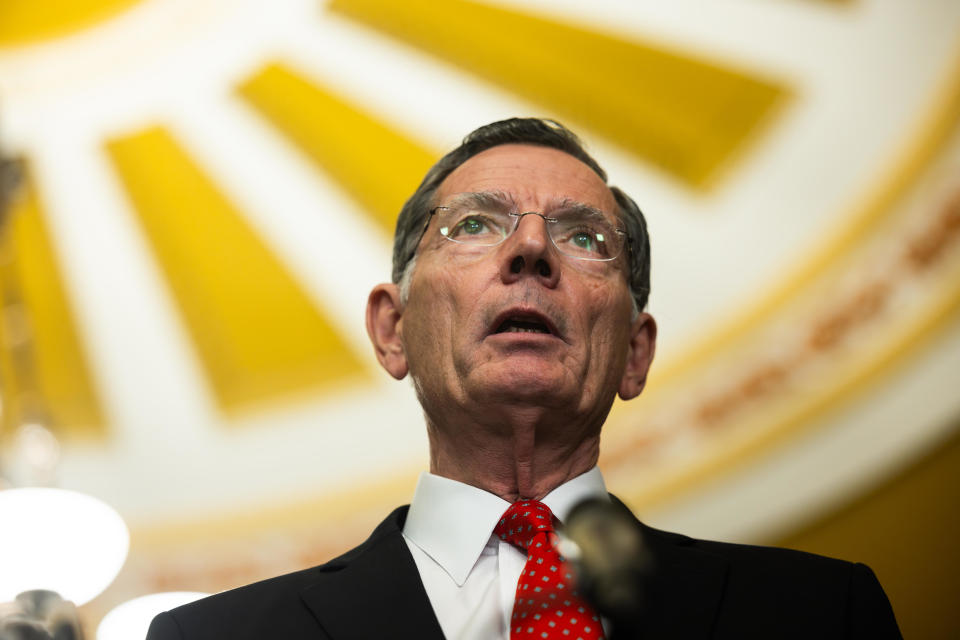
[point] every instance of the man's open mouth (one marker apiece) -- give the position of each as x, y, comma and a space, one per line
521, 326
523, 321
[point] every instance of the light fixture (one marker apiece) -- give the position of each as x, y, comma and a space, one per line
132, 618
61, 541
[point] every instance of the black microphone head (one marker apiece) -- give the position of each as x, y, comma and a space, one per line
604, 543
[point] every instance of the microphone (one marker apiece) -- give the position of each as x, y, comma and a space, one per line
604, 544
39, 615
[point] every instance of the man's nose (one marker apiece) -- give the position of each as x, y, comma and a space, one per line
529, 251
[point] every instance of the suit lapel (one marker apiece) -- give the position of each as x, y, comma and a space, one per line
374, 591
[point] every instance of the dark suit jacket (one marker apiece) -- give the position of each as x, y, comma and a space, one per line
697, 589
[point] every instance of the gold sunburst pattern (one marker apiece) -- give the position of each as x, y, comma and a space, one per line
45, 373
339, 138
23, 22
597, 79
258, 334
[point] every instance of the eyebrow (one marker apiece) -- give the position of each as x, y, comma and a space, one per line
566, 205
485, 200
507, 202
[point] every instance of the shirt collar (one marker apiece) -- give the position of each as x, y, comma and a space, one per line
452, 521
565, 497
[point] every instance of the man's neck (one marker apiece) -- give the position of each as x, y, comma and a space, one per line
514, 466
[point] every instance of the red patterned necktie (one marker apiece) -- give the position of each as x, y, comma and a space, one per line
546, 605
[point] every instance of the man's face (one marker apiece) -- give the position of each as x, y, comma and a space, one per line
519, 323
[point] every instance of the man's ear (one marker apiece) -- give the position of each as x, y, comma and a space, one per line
643, 343
384, 325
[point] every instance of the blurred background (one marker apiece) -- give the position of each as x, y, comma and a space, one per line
197, 196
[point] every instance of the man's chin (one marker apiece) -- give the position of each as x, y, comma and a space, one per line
527, 377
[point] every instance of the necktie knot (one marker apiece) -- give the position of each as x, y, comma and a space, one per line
522, 521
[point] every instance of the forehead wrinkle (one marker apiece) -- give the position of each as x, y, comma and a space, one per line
529, 175
495, 198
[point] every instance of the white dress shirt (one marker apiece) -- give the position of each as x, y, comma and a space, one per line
469, 574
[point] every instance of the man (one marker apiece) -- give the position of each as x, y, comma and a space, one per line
519, 282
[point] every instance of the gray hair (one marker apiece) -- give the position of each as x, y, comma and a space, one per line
415, 213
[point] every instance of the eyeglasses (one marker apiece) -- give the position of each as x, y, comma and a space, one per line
577, 231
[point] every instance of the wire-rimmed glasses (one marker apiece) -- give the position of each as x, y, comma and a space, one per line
576, 230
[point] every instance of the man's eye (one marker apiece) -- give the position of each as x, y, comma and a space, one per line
472, 226
584, 241
475, 228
